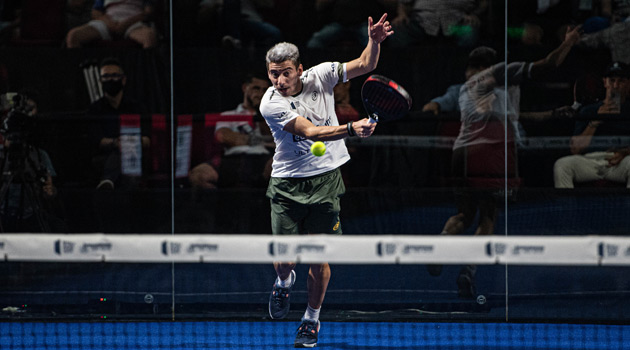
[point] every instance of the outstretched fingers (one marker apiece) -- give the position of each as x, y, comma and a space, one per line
380, 30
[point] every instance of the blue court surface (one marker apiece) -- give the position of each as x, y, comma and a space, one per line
333, 335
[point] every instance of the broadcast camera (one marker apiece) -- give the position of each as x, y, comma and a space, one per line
18, 122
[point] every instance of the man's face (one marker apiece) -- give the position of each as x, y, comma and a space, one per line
112, 72
254, 91
285, 77
619, 85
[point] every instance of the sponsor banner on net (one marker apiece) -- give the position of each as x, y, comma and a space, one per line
543, 250
326, 248
441, 249
215, 248
614, 251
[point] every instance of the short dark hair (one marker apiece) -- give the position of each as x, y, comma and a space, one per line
111, 61
482, 57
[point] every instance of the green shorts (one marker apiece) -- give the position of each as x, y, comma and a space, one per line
306, 205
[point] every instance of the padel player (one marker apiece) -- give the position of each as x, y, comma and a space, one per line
304, 190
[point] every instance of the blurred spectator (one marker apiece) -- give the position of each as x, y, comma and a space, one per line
204, 176
10, 13
343, 108
427, 21
615, 38
344, 21
106, 128
588, 163
246, 161
616, 10
27, 192
78, 12
587, 89
243, 24
115, 20
533, 34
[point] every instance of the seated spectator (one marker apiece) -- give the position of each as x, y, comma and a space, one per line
421, 22
106, 128
587, 162
78, 12
344, 21
115, 20
615, 10
204, 176
243, 24
614, 38
246, 159
10, 17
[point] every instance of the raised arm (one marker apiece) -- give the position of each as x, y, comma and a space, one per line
557, 56
377, 33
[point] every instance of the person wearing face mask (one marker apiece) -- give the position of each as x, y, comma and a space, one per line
106, 113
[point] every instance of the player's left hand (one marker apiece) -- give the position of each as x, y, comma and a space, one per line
380, 30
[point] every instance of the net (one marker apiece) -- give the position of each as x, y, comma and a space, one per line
160, 291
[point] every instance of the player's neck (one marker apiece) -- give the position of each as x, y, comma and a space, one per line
298, 88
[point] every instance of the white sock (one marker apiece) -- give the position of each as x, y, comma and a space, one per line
311, 314
284, 283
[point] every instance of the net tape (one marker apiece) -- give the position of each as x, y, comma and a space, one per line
387, 249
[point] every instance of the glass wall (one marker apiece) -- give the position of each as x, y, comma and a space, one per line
516, 129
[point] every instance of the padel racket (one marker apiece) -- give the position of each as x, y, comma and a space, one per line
384, 100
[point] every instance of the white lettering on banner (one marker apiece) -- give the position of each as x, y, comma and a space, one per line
182, 157
130, 151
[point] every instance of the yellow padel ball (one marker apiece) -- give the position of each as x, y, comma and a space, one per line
318, 148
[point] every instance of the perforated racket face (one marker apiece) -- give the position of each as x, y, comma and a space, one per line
385, 98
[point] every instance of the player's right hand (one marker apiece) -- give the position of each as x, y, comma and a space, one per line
363, 127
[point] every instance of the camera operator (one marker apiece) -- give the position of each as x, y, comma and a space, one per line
27, 190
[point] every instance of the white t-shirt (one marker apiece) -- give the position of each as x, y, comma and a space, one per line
316, 102
482, 99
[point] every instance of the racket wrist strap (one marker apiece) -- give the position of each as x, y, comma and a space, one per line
351, 129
